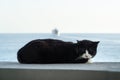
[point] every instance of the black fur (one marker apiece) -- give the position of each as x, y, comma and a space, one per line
55, 51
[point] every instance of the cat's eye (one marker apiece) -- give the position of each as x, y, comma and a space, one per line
91, 49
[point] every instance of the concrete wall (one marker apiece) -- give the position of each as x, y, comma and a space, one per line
95, 71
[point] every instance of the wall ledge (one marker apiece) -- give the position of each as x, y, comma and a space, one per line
94, 71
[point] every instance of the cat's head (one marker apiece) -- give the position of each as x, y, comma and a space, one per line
86, 49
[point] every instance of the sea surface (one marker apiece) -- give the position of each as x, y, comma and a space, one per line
108, 48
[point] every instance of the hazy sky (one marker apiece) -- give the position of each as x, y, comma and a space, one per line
37, 16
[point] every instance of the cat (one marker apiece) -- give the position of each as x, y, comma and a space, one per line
57, 51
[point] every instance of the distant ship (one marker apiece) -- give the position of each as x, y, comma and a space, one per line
55, 31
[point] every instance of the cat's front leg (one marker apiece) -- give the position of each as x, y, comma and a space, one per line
89, 61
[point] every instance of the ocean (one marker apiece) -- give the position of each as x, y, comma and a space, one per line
108, 48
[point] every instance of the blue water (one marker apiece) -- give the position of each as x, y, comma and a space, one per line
108, 48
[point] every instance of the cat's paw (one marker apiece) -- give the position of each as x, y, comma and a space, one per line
89, 61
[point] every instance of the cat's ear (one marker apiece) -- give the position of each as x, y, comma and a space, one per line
77, 41
96, 42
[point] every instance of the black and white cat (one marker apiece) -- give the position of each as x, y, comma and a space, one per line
57, 51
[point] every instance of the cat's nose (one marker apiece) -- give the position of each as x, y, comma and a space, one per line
86, 56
